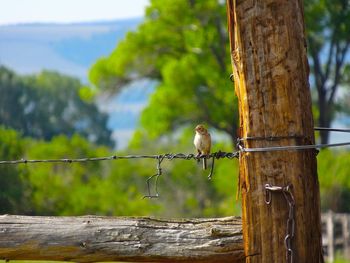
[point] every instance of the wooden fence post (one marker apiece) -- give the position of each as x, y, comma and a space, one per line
330, 236
346, 235
270, 69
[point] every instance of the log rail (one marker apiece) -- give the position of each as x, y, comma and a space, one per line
128, 239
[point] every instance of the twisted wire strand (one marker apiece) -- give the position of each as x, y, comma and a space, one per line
216, 155
292, 147
168, 156
331, 129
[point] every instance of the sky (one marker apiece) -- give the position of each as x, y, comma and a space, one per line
68, 11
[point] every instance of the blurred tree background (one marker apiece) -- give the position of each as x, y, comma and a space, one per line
181, 46
328, 31
49, 104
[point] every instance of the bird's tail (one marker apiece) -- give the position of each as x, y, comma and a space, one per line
204, 163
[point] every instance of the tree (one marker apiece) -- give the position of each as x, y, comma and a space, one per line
48, 104
14, 187
182, 45
328, 31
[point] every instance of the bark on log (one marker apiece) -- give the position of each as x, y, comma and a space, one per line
268, 53
91, 239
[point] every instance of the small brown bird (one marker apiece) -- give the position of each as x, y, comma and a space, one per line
202, 142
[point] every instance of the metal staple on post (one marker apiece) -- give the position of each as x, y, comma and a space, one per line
290, 232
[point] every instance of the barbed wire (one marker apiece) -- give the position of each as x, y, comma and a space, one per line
216, 155
169, 156
172, 156
159, 158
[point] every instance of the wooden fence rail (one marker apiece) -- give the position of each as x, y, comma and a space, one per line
336, 235
91, 239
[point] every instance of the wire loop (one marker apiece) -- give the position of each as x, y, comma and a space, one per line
160, 159
231, 78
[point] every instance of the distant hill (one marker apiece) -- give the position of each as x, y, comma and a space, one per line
71, 49
67, 48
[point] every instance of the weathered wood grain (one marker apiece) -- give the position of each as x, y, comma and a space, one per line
270, 68
91, 239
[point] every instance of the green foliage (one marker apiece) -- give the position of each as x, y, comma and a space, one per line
48, 104
111, 187
83, 188
334, 174
14, 189
340, 259
87, 94
106, 188
183, 46
184, 187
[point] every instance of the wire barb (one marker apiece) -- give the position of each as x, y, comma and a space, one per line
160, 158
